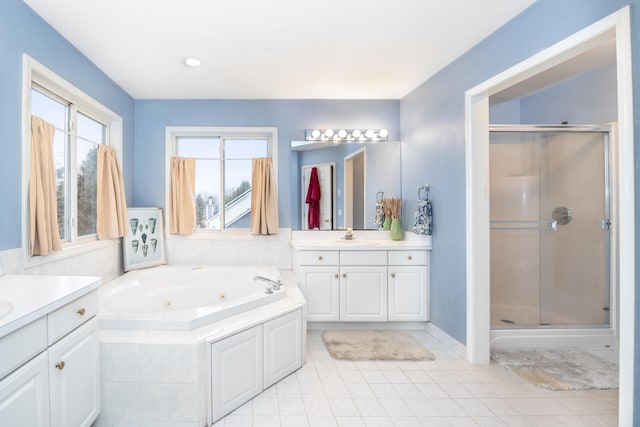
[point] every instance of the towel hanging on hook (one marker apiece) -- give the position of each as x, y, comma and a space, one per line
423, 223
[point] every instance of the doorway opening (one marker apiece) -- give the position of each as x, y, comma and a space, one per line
355, 204
614, 27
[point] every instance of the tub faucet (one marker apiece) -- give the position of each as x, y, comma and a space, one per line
271, 284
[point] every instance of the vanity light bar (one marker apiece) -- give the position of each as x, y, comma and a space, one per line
348, 135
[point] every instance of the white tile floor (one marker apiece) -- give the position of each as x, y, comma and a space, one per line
445, 392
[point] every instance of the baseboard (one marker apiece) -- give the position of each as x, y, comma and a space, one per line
453, 344
320, 326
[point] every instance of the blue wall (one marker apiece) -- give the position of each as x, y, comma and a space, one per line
432, 129
595, 93
291, 117
22, 31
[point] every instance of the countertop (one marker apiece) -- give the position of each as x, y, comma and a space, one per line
34, 296
359, 245
364, 240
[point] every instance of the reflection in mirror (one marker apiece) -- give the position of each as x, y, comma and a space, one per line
349, 177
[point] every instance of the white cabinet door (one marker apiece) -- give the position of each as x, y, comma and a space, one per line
24, 395
408, 300
236, 370
74, 373
363, 294
282, 347
321, 289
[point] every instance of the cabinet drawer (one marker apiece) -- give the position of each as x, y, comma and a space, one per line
363, 258
318, 257
22, 344
67, 318
408, 258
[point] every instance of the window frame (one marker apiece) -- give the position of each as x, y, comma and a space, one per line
172, 133
39, 77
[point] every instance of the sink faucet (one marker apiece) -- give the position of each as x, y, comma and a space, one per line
271, 284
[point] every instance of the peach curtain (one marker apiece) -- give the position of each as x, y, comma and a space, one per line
183, 194
111, 204
264, 202
44, 234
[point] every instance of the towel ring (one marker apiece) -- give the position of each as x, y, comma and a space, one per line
423, 192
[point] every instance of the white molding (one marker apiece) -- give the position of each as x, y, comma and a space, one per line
476, 145
454, 345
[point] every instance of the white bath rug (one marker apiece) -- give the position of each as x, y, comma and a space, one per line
560, 369
375, 345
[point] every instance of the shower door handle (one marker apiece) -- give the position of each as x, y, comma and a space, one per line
523, 225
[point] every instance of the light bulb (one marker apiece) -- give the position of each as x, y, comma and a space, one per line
356, 133
342, 134
315, 134
369, 133
383, 133
329, 133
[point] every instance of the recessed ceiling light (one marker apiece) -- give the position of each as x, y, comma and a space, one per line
192, 62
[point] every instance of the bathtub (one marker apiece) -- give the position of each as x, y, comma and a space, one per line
183, 298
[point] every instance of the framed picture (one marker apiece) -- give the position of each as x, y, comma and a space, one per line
143, 246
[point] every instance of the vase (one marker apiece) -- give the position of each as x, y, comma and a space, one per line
396, 229
387, 224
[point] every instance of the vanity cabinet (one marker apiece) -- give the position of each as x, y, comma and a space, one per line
319, 279
24, 395
60, 386
408, 286
74, 368
364, 285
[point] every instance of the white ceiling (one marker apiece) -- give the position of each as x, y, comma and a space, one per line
276, 49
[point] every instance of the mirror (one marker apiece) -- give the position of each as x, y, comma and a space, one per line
349, 175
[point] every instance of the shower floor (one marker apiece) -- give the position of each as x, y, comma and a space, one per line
504, 316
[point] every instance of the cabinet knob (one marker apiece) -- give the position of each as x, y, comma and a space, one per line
410, 257
336, 275
82, 311
393, 275
344, 275
320, 258
60, 365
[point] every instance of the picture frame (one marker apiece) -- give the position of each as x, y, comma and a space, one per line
143, 245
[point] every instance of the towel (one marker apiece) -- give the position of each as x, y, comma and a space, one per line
313, 199
423, 223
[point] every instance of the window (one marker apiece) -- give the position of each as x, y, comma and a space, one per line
81, 125
75, 148
223, 171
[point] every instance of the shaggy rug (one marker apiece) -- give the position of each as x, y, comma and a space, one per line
375, 345
560, 369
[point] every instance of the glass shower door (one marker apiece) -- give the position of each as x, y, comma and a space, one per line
549, 229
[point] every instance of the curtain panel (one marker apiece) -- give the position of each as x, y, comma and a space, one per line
264, 201
111, 204
44, 234
182, 206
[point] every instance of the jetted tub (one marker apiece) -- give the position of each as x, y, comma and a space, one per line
183, 297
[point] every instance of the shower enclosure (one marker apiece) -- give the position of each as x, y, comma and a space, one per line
550, 226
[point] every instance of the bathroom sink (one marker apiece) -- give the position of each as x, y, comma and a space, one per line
356, 242
5, 308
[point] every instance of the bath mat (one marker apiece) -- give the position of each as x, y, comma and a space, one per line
560, 369
375, 345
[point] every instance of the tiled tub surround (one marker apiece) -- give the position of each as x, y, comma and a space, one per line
161, 378
230, 248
